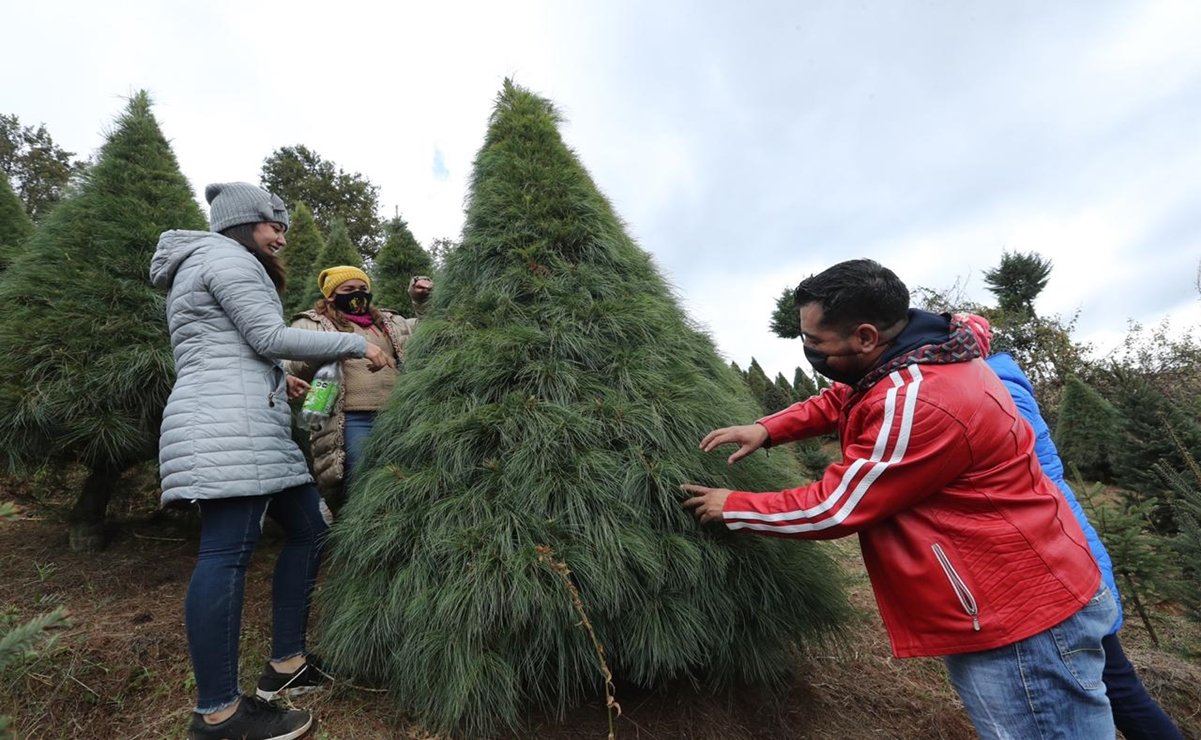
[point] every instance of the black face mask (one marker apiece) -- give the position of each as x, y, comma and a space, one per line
356, 303
820, 363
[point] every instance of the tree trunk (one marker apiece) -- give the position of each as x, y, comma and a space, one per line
86, 521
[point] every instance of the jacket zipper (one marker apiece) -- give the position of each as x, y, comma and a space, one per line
275, 388
966, 600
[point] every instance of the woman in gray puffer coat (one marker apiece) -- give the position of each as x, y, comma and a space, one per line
226, 445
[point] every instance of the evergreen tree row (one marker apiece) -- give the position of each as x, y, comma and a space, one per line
309, 251
779, 394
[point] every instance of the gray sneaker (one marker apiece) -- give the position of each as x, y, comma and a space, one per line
254, 720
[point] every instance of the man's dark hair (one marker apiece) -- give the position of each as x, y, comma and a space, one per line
856, 292
244, 234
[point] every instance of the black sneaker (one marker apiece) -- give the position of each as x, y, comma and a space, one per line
254, 720
304, 679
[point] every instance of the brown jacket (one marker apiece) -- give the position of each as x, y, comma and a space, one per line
329, 442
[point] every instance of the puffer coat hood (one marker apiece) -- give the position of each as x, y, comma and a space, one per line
227, 424
173, 248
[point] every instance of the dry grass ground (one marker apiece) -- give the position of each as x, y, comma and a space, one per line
121, 670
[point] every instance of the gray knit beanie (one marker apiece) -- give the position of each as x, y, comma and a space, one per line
233, 203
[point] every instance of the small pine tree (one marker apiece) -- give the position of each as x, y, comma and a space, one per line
1018, 281
779, 394
339, 250
305, 245
86, 363
552, 403
1142, 565
802, 385
1088, 431
786, 318
758, 382
399, 259
21, 642
735, 368
1184, 496
1146, 416
15, 226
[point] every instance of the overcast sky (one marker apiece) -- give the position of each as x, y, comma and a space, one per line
746, 145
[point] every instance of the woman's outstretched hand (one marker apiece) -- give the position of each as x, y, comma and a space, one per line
296, 387
377, 359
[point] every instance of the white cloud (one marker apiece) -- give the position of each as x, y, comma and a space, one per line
746, 145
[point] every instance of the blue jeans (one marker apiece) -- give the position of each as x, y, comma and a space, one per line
1045, 686
358, 428
229, 530
1134, 711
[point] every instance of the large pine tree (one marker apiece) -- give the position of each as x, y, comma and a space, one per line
550, 409
305, 245
15, 226
85, 361
399, 259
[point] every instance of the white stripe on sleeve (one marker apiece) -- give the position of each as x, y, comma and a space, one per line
876, 466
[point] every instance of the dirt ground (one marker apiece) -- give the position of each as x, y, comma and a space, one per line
121, 670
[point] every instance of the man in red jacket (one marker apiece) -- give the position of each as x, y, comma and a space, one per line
972, 552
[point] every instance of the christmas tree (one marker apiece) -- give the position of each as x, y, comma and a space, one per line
339, 250
305, 245
85, 361
551, 406
399, 259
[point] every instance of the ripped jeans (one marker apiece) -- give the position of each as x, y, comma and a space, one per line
230, 529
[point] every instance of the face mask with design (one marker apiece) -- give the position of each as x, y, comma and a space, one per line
820, 363
356, 303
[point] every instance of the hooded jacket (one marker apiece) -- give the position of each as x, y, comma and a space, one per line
1022, 392
968, 545
227, 424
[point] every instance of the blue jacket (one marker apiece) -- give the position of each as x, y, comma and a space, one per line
1022, 391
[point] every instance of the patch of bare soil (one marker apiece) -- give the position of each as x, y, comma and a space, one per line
122, 669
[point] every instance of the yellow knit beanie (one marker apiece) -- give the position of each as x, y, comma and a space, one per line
329, 279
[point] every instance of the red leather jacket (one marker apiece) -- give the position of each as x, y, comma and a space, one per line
968, 545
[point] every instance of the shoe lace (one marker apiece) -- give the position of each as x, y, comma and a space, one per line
262, 708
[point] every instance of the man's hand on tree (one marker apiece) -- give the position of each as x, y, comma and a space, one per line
706, 503
748, 437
